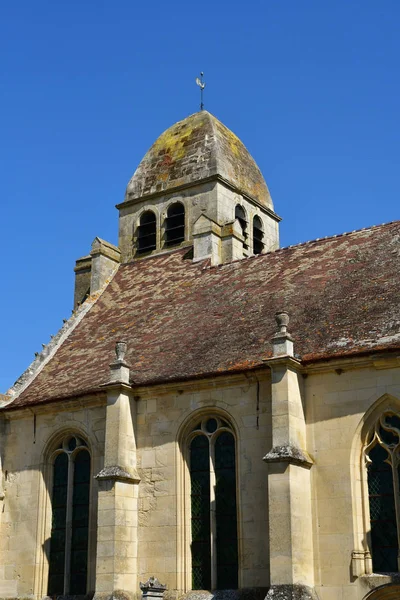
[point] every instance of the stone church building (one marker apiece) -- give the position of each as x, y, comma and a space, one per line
219, 413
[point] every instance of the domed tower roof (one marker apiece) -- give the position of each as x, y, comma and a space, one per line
193, 150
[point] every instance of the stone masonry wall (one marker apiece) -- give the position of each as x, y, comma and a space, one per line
25, 522
336, 405
164, 536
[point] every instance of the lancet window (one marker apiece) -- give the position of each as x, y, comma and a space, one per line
68, 558
175, 224
147, 232
212, 461
383, 463
258, 234
240, 215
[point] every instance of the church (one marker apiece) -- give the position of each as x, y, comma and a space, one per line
220, 416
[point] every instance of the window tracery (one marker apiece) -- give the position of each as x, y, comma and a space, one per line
68, 559
382, 455
212, 465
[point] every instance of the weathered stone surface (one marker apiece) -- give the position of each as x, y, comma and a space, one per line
289, 454
195, 149
291, 592
119, 474
242, 594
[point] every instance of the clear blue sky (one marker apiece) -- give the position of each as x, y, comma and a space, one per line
310, 86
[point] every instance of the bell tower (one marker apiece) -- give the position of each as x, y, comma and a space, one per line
197, 185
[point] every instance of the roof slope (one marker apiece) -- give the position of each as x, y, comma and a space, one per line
192, 150
183, 319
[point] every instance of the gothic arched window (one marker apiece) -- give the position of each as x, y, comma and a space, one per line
175, 224
68, 558
258, 234
240, 215
213, 505
383, 463
147, 232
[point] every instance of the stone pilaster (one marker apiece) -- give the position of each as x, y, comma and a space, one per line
289, 485
116, 570
232, 241
206, 240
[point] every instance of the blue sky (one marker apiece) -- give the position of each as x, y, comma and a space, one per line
310, 86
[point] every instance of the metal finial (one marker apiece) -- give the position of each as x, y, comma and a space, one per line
202, 85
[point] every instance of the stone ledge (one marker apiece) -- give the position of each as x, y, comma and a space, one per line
253, 593
115, 473
292, 591
289, 454
375, 580
115, 595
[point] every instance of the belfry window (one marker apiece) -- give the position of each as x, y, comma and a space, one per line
240, 215
147, 232
175, 224
383, 463
213, 506
68, 558
258, 234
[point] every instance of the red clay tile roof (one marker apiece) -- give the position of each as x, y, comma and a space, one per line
195, 149
184, 320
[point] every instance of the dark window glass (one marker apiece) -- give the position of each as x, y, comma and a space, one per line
200, 501
147, 233
211, 425
393, 421
175, 224
389, 437
76, 536
258, 234
225, 497
241, 216
382, 512
72, 444
58, 529
80, 523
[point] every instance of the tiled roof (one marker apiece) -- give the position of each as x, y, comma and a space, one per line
195, 149
185, 320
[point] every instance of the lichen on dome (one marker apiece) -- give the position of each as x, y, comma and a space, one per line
198, 148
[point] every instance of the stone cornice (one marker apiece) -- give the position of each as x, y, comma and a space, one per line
285, 360
210, 179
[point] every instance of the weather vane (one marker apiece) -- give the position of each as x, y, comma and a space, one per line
202, 85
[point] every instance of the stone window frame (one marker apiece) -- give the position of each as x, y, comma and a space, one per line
185, 436
163, 228
247, 230
254, 218
361, 559
134, 246
44, 520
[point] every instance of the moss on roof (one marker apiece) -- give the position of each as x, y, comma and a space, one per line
195, 149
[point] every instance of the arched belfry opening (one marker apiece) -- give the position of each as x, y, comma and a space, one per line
175, 224
258, 235
147, 232
240, 215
